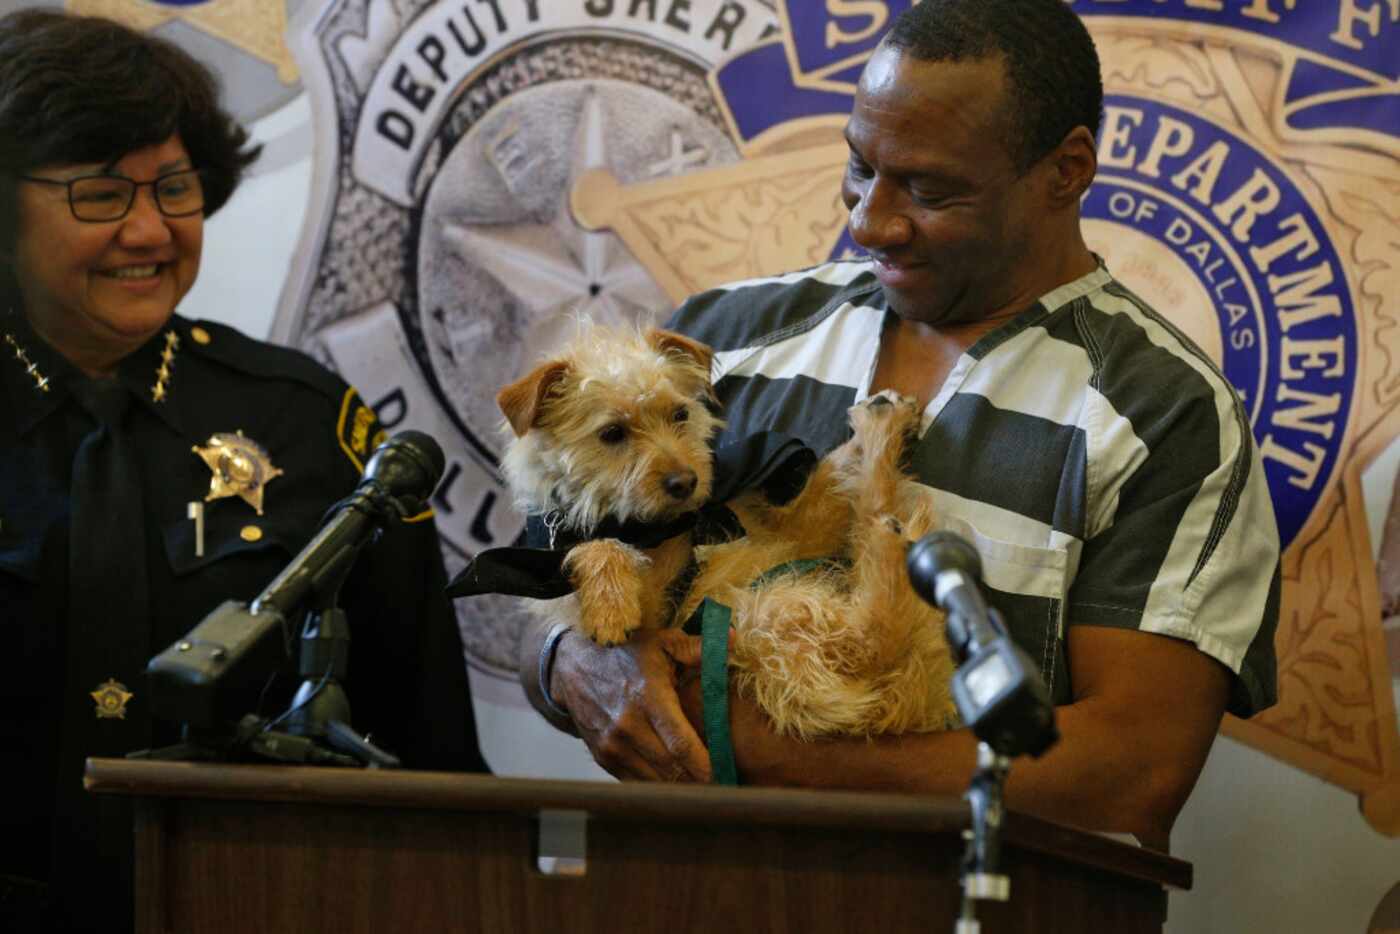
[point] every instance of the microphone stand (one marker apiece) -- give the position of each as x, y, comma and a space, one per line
320, 711
999, 695
1002, 699
317, 722
981, 880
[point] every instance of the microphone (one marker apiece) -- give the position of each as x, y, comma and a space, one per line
398, 480
214, 674
997, 688
946, 570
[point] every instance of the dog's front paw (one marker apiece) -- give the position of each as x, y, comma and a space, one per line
606, 576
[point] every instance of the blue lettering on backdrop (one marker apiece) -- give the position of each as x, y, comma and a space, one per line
781, 99
1353, 34
1280, 294
1311, 100
1317, 27
823, 40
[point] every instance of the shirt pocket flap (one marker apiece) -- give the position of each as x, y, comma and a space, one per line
1032, 570
228, 532
1028, 584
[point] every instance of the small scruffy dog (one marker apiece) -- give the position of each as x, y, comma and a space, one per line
616, 427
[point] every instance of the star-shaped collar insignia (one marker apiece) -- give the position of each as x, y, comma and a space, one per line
167, 362
41, 382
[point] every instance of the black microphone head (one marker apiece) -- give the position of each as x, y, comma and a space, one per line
408, 464
935, 553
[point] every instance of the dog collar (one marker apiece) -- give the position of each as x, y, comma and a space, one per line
776, 463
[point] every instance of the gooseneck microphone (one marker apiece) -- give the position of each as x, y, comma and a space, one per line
946, 571
397, 483
217, 671
997, 688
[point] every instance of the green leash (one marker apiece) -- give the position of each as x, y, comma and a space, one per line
714, 688
715, 620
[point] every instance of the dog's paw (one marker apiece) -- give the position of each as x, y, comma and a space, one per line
603, 628
607, 579
609, 615
887, 410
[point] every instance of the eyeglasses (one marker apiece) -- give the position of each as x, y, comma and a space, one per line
97, 198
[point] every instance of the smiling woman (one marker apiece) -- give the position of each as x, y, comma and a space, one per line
117, 414
104, 253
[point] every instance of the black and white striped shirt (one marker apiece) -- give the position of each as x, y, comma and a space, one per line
1098, 460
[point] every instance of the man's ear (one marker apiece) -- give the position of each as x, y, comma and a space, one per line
522, 401
671, 342
1073, 164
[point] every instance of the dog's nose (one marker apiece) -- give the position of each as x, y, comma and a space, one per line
680, 484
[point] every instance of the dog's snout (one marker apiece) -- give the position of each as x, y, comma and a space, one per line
680, 484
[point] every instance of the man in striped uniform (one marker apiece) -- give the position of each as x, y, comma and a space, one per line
1099, 461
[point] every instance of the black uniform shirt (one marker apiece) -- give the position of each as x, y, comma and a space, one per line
407, 683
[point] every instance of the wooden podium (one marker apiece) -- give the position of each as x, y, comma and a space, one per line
240, 848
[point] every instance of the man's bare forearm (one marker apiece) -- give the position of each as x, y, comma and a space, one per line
1131, 745
1080, 781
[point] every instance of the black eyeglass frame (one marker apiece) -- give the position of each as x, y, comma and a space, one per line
131, 198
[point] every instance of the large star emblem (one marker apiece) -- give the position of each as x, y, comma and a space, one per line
257, 27
555, 267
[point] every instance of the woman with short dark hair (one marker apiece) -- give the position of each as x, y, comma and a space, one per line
117, 415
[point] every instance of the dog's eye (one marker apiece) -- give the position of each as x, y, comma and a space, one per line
681, 414
612, 434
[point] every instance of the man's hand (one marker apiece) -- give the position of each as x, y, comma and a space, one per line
624, 703
761, 756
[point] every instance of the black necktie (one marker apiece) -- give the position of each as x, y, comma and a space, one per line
107, 638
108, 610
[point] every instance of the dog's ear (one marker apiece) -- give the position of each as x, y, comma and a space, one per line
523, 399
670, 341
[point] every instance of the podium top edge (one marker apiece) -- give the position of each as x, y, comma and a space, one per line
616, 801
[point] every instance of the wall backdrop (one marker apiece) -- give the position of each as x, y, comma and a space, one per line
446, 185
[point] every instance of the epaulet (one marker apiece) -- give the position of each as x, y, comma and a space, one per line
357, 428
236, 350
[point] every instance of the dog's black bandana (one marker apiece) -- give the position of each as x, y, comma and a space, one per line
776, 463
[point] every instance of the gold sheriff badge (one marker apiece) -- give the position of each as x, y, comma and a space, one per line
240, 468
111, 696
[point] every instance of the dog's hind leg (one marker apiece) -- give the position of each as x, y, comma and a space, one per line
861, 477
884, 427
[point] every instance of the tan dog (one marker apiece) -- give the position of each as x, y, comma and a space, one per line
616, 426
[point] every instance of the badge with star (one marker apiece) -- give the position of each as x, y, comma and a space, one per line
111, 696
240, 467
